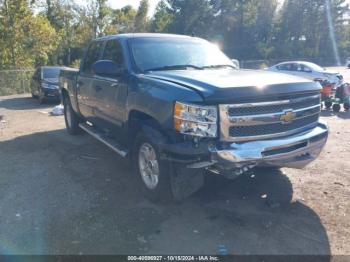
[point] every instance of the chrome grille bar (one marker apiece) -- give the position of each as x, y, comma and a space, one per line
280, 102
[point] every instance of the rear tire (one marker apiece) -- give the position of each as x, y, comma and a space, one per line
71, 119
153, 174
346, 106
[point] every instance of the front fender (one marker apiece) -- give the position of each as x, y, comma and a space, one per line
156, 98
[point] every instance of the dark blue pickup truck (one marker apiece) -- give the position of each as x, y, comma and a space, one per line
177, 108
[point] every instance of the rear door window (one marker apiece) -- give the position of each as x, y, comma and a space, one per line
306, 69
295, 67
285, 67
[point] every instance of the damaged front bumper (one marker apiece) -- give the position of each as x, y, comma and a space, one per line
293, 151
233, 159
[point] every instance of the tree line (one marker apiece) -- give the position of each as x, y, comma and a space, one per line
56, 32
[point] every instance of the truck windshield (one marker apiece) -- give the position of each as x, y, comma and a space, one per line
51, 72
176, 54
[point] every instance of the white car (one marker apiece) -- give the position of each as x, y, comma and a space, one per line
308, 70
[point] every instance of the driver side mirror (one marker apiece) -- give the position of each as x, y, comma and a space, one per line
107, 68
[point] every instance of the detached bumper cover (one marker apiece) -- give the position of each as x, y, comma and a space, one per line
294, 151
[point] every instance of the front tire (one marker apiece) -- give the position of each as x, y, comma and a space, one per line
152, 173
72, 120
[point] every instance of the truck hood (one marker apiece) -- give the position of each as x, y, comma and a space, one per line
227, 85
52, 81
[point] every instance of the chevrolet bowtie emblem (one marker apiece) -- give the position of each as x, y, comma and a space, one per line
288, 116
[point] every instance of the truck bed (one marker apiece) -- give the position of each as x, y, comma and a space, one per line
68, 81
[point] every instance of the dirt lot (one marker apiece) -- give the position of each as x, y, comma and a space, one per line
72, 195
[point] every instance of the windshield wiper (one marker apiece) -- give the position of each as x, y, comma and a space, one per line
219, 66
174, 67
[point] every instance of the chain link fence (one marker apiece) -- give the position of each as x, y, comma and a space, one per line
15, 81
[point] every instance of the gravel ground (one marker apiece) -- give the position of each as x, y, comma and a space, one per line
72, 195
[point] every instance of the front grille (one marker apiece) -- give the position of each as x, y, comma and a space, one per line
244, 111
258, 130
270, 119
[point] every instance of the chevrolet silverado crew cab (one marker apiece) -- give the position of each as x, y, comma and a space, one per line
177, 107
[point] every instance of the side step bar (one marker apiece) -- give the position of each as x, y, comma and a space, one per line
110, 142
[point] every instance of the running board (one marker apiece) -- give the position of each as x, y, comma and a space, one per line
110, 142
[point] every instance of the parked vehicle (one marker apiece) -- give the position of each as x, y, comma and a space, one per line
308, 70
45, 85
177, 107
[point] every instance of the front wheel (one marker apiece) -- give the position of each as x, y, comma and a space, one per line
71, 118
153, 174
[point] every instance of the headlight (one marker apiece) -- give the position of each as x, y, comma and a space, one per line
195, 120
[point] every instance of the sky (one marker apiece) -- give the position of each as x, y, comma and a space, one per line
117, 4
